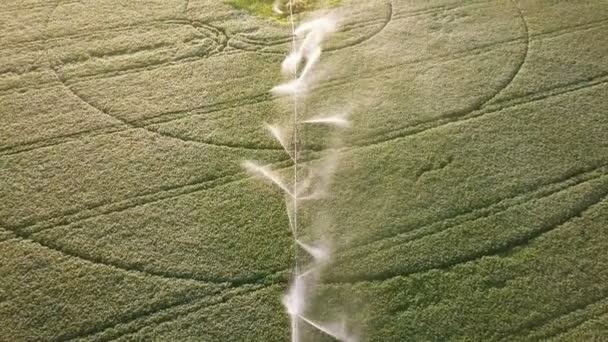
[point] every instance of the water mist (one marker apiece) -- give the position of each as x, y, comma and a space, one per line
310, 256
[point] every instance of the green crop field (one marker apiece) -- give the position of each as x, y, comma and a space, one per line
469, 201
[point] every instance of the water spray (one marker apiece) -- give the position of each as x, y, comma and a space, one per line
299, 65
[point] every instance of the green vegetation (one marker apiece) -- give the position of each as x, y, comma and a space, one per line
470, 202
264, 7
258, 7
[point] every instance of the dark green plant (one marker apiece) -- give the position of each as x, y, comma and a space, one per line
265, 7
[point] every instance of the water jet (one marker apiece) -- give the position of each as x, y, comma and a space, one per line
309, 257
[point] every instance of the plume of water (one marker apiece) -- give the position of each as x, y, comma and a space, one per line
319, 27
316, 185
277, 133
296, 86
339, 120
267, 174
294, 301
309, 52
335, 330
318, 253
303, 58
276, 7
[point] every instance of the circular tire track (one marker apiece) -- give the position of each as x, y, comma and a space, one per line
215, 40
475, 106
209, 41
221, 41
